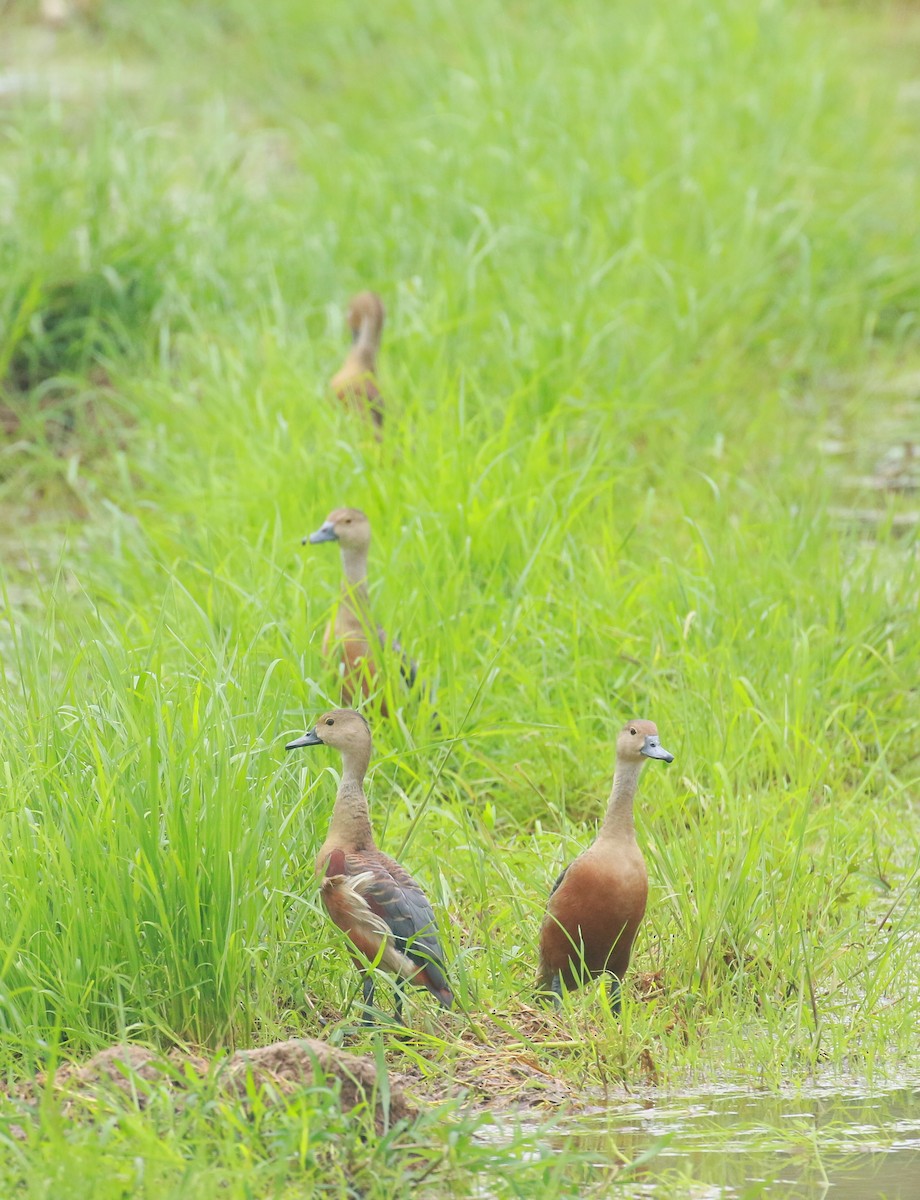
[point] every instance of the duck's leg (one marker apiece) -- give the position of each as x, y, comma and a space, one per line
367, 987
615, 992
398, 997
549, 989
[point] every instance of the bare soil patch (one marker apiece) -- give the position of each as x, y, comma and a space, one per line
278, 1071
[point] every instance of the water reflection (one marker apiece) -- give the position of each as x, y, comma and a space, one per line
839, 1143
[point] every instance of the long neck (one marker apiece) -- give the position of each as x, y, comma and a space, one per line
366, 343
354, 565
618, 823
350, 827
355, 596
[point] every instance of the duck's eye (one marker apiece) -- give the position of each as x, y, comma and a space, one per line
633, 732
329, 721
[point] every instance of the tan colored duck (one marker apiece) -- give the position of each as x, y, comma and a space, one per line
598, 902
371, 898
355, 383
354, 633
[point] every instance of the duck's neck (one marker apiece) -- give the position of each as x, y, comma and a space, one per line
350, 827
366, 343
354, 567
618, 823
355, 596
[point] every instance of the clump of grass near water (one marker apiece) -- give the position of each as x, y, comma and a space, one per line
623, 252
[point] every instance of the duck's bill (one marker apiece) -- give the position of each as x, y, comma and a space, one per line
308, 739
325, 533
656, 750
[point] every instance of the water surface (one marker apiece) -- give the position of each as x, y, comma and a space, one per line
834, 1141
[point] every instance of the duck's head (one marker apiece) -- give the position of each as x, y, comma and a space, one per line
366, 309
639, 740
347, 526
343, 728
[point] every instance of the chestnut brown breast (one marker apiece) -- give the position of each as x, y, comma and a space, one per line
594, 914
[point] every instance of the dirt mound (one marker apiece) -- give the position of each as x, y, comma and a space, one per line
126, 1068
289, 1065
280, 1070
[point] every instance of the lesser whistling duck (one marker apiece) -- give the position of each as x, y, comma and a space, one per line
374, 900
353, 631
598, 902
355, 383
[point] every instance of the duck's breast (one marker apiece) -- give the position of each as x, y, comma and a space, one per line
594, 914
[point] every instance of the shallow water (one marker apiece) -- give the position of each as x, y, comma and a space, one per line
839, 1142
822, 1142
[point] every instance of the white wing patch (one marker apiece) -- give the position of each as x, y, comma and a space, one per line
345, 903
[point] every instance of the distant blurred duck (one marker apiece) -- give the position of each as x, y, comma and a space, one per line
371, 898
598, 902
353, 632
355, 383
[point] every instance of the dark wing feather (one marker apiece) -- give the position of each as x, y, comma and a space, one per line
555, 886
374, 402
397, 898
408, 667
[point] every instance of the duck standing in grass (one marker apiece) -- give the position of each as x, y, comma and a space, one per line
353, 632
355, 383
598, 902
371, 898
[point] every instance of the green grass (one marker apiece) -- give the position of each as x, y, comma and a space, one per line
213, 1146
628, 254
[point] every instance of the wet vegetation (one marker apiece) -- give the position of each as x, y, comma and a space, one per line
650, 368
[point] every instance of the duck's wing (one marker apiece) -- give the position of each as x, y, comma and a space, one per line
408, 667
395, 899
559, 880
374, 402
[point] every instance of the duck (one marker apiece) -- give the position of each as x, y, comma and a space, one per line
355, 383
597, 904
353, 630
372, 898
